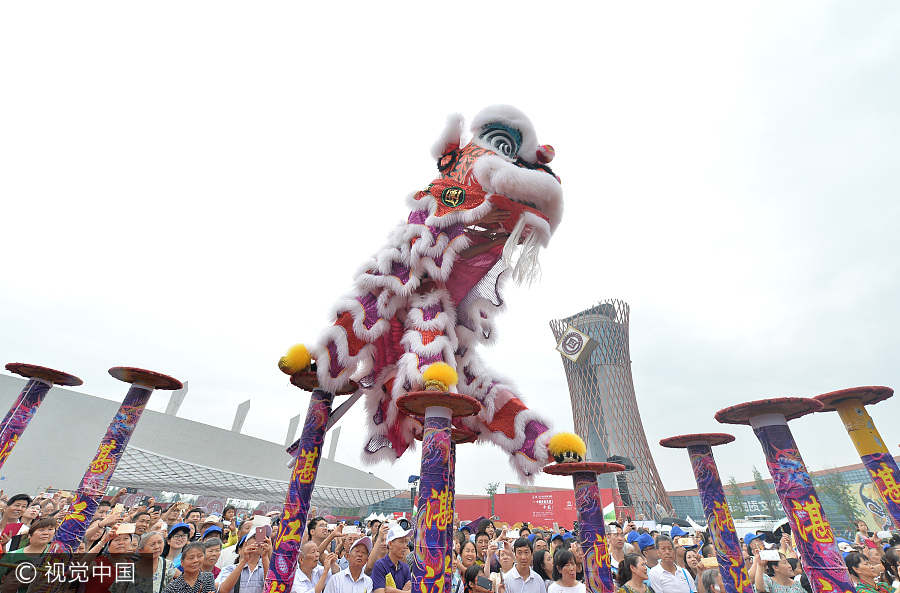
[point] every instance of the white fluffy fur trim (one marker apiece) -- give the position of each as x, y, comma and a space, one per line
499, 176
450, 137
514, 118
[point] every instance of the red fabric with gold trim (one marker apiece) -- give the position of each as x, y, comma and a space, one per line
452, 196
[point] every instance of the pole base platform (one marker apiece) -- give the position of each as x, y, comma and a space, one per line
704, 438
415, 403
145, 378
597, 467
33, 371
867, 395
309, 381
790, 407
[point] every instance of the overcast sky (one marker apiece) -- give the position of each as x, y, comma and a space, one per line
189, 186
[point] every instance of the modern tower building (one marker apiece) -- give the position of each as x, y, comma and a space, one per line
597, 360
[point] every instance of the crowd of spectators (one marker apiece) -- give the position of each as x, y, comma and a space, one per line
188, 550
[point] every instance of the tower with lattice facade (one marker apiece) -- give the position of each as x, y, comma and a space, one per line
604, 406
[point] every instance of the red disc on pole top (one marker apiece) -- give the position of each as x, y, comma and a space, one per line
309, 381
703, 438
597, 467
790, 407
33, 371
145, 378
871, 394
415, 403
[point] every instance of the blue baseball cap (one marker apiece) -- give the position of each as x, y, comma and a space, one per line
750, 537
646, 541
531, 538
178, 526
557, 536
632, 536
213, 529
677, 531
567, 537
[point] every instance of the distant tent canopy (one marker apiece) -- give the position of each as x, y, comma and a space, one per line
146, 470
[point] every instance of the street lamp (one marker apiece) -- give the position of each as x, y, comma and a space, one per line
413, 482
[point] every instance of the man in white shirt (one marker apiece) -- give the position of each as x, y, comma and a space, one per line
521, 578
353, 579
251, 569
311, 576
666, 577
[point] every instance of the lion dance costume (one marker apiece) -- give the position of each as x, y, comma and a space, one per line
430, 295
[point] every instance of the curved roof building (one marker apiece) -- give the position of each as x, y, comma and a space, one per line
166, 454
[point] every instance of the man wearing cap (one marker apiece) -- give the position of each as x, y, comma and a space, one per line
521, 578
352, 579
647, 546
666, 577
391, 574
249, 574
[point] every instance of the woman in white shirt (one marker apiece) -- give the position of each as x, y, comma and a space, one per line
565, 570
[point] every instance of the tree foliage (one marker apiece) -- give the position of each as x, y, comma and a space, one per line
843, 508
765, 492
735, 499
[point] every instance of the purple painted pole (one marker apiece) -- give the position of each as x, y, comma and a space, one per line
283, 565
103, 465
451, 481
718, 514
434, 512
40, 380
591, 527
822, 562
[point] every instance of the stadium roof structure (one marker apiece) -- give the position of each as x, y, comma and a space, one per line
140, 468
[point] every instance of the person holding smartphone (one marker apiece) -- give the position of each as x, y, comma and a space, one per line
774, 573
249, 572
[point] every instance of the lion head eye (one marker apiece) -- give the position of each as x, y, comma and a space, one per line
502, 139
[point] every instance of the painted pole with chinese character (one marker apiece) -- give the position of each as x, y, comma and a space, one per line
851, 404
40, 380
591, 526
458, 436
822, 562
718, 515
434, 512
103, 465
286, 548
